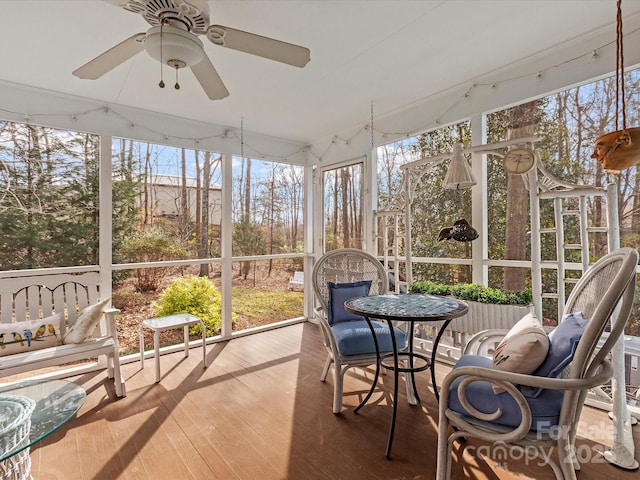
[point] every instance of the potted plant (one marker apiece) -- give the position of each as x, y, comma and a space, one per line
488, 307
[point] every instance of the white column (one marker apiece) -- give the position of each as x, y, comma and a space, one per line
105, 225
536, 258
479, 207
105, 235
308, 220
370, 199
226, 242
623, 448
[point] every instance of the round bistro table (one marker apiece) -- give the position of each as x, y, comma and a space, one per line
410, 308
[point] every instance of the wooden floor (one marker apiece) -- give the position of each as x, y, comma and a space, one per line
259, 411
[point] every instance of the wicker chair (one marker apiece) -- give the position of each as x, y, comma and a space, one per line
546, 408
345, 266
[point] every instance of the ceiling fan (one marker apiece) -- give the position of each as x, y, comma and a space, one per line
173, 40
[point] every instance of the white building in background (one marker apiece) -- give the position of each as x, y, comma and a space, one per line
164, 198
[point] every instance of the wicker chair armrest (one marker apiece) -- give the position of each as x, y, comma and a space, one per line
476, 423
327, 337
500, 377
480, 342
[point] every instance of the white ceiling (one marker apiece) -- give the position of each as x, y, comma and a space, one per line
395, 53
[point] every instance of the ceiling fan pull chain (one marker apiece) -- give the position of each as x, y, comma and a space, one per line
177, 85
161, 84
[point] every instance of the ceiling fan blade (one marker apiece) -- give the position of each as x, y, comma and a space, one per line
209, 79
111, 58
258, 45
117, 3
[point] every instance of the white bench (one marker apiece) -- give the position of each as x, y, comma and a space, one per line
297, 279
37, 297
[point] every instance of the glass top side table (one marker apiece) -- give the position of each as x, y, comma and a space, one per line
56, 402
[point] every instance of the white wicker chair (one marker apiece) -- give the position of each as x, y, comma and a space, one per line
344, 266
609, 283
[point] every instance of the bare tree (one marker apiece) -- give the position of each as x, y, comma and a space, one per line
203, 234
345, 175
147, 192
246, 266
183, 210
521, 124
198, 214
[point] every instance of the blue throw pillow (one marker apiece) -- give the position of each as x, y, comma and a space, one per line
340, 293
563, 341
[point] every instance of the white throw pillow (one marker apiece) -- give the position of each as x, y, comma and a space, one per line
523, 348
86, 323
29, 335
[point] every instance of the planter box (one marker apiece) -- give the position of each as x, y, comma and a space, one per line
481, 316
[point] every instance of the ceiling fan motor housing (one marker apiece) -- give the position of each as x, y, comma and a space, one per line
194, 14
174, 47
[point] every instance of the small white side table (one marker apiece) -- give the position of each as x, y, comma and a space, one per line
164, 323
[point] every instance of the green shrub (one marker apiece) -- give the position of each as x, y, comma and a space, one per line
151, 246
473, 292
195, 295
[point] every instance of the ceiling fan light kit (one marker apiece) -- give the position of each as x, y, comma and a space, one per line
173, 40
168, 44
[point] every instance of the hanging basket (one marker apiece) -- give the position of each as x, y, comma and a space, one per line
618, 150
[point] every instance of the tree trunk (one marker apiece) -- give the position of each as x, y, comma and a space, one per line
345, 206
198, 212
521, 124
635, 215
148, 200
271, 219
246, 266
335, 208
204, 222
294, 210
184, 203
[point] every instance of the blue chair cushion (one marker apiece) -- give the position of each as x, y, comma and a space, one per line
340, 293
563, 341
354, 337
545, 408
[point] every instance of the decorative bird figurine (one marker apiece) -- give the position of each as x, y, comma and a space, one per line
52, 329
28, 334
18, 338
40, 331
445, 234
460, 232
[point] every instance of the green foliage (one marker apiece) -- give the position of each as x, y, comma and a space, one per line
195, 295
248, 238
433, 207
151, 246
473, 292
51, 197
633, 324
259, 307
